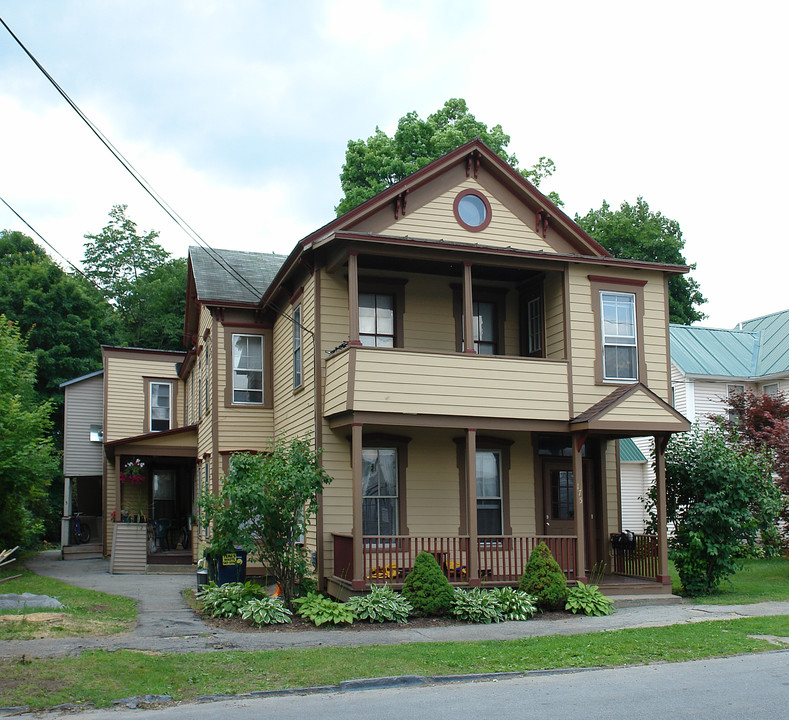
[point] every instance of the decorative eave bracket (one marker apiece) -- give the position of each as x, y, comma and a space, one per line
400, 203
543, 219
472, 163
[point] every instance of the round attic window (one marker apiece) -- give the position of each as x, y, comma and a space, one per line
472, 210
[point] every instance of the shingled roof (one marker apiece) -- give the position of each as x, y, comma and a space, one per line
215, 282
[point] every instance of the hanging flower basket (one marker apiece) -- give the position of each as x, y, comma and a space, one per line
133, 472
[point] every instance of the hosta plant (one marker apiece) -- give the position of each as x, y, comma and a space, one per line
589, 600
515, 604
476, 606
225, 601
319, 610
266, 611
381, 604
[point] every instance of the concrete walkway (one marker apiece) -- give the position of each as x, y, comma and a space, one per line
166, 624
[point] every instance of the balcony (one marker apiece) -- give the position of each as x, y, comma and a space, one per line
361, 379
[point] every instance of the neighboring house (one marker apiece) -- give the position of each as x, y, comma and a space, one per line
707, 365
466, 357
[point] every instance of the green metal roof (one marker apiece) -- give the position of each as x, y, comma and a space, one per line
215, 279
629, 452
756, 348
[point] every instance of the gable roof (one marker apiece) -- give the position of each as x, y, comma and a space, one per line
756, 348
215, 274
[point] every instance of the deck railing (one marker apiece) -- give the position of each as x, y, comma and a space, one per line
501, 559
635, 555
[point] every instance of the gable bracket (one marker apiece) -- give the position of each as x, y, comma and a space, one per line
400, 203
472, 163
542, 218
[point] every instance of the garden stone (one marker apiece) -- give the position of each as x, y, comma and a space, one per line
23, 601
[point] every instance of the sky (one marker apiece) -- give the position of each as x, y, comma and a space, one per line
238, 113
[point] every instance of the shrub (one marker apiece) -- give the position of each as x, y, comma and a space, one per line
319, 609
382, 604
427, 588
476, 606
266, 611
225, 601
543, 578
589, 600
515, 604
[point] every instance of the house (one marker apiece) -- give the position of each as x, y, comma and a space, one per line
708, 365
461, 351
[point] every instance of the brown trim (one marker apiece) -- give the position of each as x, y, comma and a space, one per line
147, 381
268, 355
387, 286
456, 422
214, 400
400, 444
596, 287
150, 436
357, 443
580, 510
532, 289
248, 325
568, 345
618, 470
631, 429
187, 451
616, 280
351, 378
489, 294
353, 298
488, 210
163, 355
667, 312
317, 384
296, 295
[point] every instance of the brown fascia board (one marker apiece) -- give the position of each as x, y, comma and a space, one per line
192, 313
111, 349
150, 436
617, 396
490, 250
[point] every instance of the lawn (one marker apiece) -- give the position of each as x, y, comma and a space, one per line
100, 677
757, 581
86, 612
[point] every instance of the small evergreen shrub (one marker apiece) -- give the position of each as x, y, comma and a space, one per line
476, 606
319, 609
226, 601
427, 588
543, 578
589, 600
382, 604
266, 611
515, 604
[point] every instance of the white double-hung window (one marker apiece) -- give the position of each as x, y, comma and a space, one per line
248, 369
620, 349
161, 405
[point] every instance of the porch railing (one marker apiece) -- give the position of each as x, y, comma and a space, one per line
635, 555
501, 559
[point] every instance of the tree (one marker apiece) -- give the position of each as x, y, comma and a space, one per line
637, 233
375, 164
136, 275
719, 496
27, 458
266, 504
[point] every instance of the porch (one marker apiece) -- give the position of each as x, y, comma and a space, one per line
631, 567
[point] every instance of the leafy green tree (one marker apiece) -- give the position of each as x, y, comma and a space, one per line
64, 317
27, 457
137, 276
637, 233
266, 504
719, 496
375, 164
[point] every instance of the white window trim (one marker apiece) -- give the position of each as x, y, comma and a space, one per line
262, 371
151, 405
634, 345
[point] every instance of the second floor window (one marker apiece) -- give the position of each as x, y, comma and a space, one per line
376, 320
534, 326
620, 352
161, 404
485, 328
297, 348
248, 369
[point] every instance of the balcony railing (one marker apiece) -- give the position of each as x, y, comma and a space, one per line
501, 559
635, 555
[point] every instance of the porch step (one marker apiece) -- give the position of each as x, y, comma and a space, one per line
624, 601
164, 569
90, 551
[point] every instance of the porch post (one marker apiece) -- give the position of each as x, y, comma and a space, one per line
472, 561
662, 523
353, 298
579, 510
468, 313
64, 522
357, 582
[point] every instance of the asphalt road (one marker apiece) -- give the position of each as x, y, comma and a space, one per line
750, 686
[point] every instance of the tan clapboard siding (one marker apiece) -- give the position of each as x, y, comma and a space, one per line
205, 437
126, 393
84, 406
336, 388
129, 540
553, 290
409, 382
428, 321
436, 221
110, 487
611, 498
294, 409
338, 497
638, 407
432, 484
522, 483
334, 310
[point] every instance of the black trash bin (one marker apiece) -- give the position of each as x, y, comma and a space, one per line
228, 567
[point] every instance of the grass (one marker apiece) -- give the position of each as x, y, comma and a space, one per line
757, 581
86, 612
100, 677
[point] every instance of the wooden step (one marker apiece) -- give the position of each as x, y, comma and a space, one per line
89, 551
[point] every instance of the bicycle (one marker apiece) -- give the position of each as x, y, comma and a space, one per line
79, 530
